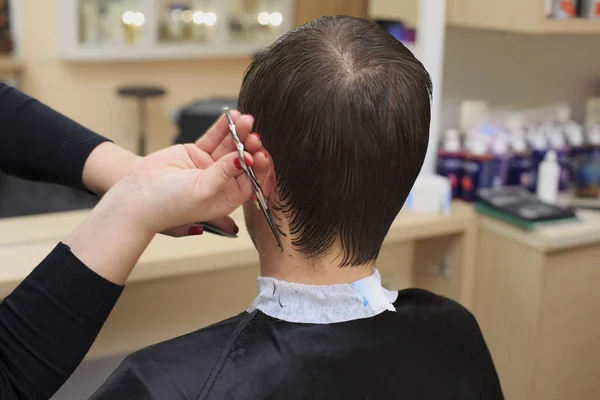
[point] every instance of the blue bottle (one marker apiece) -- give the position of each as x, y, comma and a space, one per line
587, 179
578, 151
594, 143
575, 140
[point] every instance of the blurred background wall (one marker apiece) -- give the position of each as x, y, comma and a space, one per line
87, 91
479, 64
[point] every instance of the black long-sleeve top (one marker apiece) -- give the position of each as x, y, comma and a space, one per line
49, 322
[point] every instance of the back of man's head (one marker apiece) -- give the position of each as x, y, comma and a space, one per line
343, 108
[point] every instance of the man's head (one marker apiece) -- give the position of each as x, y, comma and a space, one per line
343, 109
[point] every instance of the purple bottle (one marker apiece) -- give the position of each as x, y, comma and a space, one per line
477, 168
539, 147
450, 161
520, 164
558, 144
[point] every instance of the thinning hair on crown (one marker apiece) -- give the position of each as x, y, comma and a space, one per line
343, 108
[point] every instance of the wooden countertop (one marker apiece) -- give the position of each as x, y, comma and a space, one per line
25, 241
561, 236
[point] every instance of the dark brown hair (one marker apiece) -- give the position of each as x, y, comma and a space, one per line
343, 108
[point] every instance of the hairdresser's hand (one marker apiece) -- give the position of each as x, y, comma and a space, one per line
173, 187
182, 185
109, 163
218, 142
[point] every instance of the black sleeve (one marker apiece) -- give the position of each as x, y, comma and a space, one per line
40, 144
48, 324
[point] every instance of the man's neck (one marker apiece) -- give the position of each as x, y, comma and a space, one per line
291, 266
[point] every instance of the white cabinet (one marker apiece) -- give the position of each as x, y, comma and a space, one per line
163, 29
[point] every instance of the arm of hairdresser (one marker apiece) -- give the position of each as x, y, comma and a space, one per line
40, 144
49, 322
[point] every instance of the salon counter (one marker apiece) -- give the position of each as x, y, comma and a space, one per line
535, 294
537, 300
181, 285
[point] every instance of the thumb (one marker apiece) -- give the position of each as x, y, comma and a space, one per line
221, 172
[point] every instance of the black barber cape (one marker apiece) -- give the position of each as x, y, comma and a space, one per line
430, 348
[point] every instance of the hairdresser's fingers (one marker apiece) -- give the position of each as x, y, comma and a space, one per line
263, 168
216, 133
215, 177
243, 127
200, 158
252, 144
261, 165
184, 230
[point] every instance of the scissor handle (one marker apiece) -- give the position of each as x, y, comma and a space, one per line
260, 196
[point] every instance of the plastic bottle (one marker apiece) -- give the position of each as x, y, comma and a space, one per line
476, 167
520, 162
450, 160
548, 178
499, 162
557, 143
539, 147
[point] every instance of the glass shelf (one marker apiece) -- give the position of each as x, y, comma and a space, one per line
161, 29
255, 21
192, 21
109, 22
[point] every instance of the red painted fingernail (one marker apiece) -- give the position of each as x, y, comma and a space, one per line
236, 229
264, 153
247, 161
195, 230
256, 134
237, 163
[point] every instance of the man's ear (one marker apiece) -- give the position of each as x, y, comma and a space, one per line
265, 172
268, 186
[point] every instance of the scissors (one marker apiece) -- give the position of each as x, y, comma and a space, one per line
260, 197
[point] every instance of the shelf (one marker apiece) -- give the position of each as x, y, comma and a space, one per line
518, 16
570, 26
140, 30
172, 52
543, 27
25, 241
